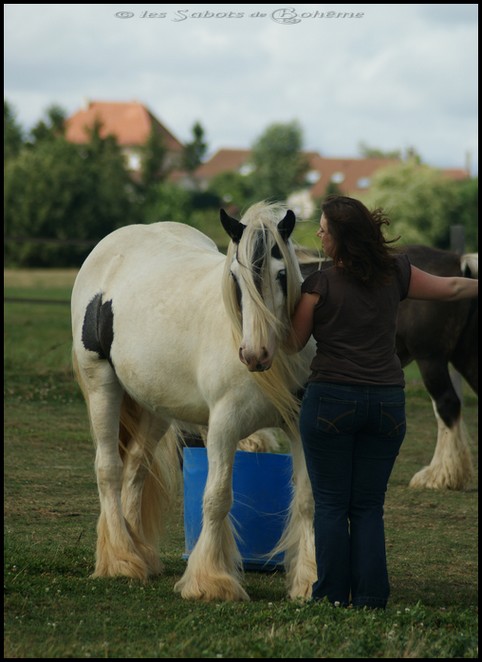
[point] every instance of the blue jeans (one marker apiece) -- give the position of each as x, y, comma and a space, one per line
351, 437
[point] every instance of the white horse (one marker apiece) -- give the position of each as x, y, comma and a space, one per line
162, 325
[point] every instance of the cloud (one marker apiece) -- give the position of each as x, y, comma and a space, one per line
397, 76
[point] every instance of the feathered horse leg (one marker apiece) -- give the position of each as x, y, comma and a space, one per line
297, 541
214, 567
451, 466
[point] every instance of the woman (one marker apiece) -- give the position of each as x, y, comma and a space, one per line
352, 419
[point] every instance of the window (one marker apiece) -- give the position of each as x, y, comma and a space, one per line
313, 176
133, 161
246, 169
363, 182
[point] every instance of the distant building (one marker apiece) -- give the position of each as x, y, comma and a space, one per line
351, 176
130, 122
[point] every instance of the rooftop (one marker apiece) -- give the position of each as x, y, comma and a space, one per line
130, 122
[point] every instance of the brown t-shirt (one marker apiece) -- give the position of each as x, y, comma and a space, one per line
354, 327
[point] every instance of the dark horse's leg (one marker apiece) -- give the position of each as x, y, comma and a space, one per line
436, 334
451, 466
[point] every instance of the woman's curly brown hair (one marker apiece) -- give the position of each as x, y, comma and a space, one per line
359, 243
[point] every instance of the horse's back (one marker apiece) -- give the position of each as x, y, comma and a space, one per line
428, 329
137, 255
434, 260
149, 242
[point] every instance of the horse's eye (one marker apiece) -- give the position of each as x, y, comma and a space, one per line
281, 278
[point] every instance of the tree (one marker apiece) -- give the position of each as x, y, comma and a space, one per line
111, 187
153, 169
279, 165
166, 202
58, 194
233, 190
13, 139
333, 188
368, 152
421, 202
51, 128
194, 151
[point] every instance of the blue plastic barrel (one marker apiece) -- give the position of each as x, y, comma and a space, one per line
262, 489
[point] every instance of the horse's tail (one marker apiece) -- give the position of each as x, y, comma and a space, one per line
139, 434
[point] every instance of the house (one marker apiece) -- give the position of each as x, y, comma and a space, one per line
347, 176
224, 160
351, 176
130, 122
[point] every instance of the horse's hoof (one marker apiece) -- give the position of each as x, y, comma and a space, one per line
214, 590
428, 479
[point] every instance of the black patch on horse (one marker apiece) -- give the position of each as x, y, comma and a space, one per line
259, 252
276, 252
283, 281
98, 327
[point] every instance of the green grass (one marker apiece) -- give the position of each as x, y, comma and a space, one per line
52, 608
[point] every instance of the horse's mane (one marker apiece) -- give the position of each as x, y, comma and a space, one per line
281, 380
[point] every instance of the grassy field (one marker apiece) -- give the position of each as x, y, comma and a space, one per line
54, 609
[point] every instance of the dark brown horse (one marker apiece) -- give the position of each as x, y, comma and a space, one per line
436, 335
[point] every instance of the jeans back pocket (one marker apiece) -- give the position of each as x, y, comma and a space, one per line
336, 416
392, 418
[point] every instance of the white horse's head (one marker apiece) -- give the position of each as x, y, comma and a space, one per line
262, 280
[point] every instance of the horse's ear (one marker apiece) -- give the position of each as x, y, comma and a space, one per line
233, 227
287, 225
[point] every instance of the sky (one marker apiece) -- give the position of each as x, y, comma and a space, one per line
390, 77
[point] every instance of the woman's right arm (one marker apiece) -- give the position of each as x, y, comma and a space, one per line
302, 322
442, 288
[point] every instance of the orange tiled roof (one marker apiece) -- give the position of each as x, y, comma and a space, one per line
130, 123
351, 175
357, 173
230, 160
456, 173
224, 160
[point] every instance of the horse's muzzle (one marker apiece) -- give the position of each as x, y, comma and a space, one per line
254, 362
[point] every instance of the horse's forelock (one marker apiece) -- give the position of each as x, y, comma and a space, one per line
255, 252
